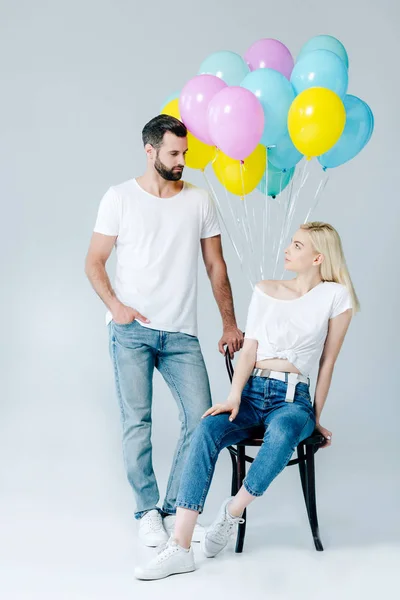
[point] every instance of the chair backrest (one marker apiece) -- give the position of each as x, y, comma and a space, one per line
229, 365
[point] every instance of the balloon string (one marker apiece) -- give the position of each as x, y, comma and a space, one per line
305, 176
218, 205
252, 237
269, 234
318, 194
286, 203
235, 220
259, 254
265, 226
291, 205
246, 224
239, 223
264, 220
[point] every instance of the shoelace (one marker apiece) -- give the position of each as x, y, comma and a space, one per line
224, 528
154, 524
165, 553
161, 547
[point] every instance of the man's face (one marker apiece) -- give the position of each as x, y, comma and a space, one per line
169, 159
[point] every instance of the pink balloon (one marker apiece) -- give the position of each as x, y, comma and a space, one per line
236, 121
270, 54
193, 104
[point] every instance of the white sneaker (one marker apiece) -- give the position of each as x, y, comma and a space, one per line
169, 524
171, 559
151, 529
218, 534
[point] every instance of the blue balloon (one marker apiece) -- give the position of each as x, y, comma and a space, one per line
320, 68
278, 180
325, 42
372, 123
228, 66
356, 134
284, 155
168, 99
276, 94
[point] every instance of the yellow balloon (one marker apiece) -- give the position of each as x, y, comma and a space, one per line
241, 179
199, 154
316, 121
172, 109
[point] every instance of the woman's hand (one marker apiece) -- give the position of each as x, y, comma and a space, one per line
327, 435
231, 405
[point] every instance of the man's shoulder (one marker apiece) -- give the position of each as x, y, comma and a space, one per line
196, 191
126, 187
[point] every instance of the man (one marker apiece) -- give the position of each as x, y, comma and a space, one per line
158, 223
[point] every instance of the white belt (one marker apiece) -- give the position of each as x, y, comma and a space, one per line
292, 379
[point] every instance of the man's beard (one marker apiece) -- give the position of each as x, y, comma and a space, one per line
167, 174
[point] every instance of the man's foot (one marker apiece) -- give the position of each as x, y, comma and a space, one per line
218, 534
169, 524
151, 529
171, 559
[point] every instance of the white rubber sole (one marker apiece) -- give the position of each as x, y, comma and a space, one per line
163, 576
208, 554
153, 543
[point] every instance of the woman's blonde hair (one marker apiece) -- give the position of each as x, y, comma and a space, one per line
326, 241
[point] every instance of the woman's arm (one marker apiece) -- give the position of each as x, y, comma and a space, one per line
337, 330
243, 369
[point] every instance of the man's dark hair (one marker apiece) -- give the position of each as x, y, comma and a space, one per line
153, 133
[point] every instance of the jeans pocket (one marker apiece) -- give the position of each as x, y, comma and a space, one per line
123, 324
303, 396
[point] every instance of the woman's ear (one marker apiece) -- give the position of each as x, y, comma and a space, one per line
319, 259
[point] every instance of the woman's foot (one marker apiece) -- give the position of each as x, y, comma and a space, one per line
218, 534
171, 559
169, 524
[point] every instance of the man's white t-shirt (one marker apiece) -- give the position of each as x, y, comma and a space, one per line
157, 248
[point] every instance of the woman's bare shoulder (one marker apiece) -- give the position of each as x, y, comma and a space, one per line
269, 285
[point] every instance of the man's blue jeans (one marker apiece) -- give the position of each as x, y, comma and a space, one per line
135, 352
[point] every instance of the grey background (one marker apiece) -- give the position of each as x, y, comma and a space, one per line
79, 80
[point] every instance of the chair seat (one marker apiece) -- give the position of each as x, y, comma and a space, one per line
315, 439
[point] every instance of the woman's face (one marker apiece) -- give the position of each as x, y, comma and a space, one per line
300, 255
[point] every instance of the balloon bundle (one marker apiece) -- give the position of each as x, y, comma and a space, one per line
253, 119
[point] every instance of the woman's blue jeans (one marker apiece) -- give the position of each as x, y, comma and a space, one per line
263, 404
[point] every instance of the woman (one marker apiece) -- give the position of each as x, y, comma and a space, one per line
290, 326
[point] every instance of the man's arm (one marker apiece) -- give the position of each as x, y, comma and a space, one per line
217, 272
95, 268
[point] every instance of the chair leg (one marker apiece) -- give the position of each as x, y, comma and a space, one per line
241, 474
234, 484
303, 471
312, 504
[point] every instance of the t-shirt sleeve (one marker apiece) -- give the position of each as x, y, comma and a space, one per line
341, 302
210, 226
107, 221
253, 318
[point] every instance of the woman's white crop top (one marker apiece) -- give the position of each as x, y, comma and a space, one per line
295, 329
